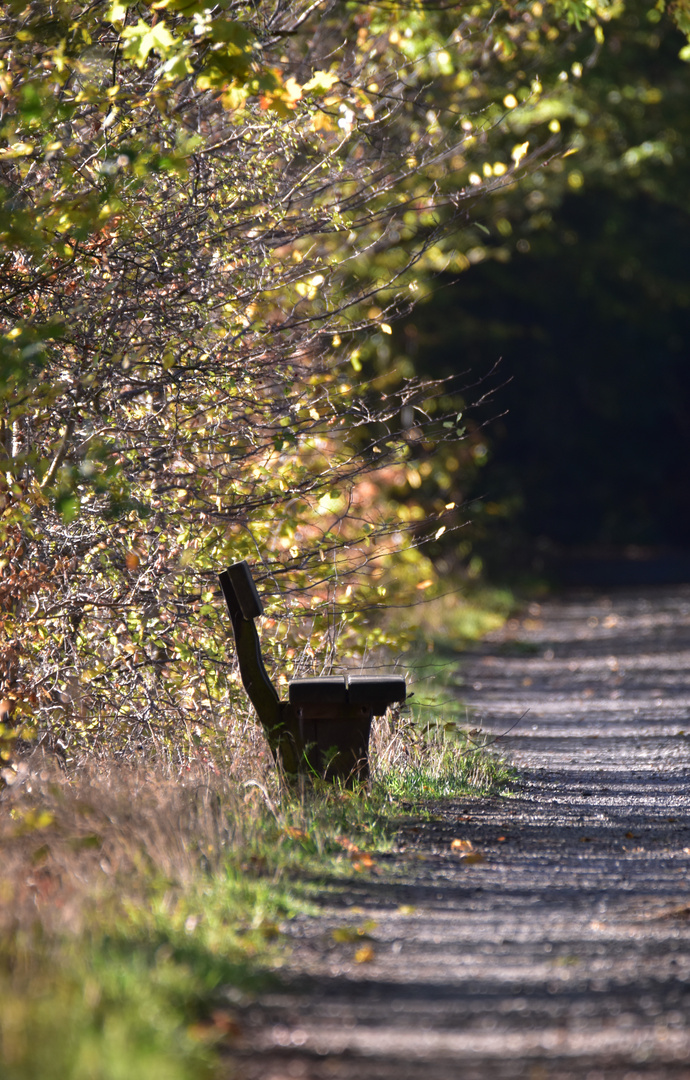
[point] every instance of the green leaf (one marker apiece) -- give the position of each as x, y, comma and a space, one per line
143, 39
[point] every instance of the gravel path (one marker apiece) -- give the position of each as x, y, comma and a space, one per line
566, 952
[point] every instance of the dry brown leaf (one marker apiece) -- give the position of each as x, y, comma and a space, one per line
365, 863
295, 834
347, 845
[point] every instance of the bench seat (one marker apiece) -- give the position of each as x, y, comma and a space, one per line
374, 692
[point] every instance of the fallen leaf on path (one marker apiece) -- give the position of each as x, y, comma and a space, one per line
407, 909
364, 955
364, 863
347, 935
361, 860
461, 845
465, 851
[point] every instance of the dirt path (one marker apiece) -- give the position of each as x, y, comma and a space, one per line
566, 953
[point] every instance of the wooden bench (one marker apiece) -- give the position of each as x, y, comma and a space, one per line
323, 728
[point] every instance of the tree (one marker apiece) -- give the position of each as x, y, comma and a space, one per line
204, 209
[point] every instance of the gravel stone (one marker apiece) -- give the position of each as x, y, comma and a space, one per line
565, 953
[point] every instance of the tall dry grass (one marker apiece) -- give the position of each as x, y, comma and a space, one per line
71, 837
78, 836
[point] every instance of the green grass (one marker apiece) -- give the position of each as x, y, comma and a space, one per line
448, 623
449, 779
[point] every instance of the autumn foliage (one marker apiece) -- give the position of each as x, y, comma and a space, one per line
206, 211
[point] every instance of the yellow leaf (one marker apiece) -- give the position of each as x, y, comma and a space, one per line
386, 328
293, 90
321, 80
364, 955
519, 151
32, 820
116, 13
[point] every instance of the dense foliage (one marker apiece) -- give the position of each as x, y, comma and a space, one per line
206, 212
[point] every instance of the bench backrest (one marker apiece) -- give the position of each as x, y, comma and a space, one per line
244, 606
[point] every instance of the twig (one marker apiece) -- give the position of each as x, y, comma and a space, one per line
483, 746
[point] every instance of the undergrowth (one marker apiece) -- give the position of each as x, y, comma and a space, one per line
140, 905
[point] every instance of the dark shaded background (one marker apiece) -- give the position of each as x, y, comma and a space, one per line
591, 464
